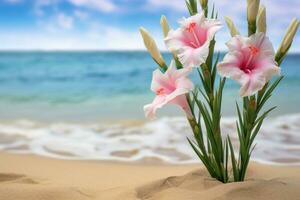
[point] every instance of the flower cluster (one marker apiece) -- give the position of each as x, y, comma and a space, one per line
250, 61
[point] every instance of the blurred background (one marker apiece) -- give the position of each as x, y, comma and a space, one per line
74, 77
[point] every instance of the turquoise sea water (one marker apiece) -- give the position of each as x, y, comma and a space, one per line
71, 105
84, 86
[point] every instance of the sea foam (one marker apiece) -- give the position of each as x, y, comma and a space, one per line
161, 140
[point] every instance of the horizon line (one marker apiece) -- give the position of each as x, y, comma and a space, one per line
94, 50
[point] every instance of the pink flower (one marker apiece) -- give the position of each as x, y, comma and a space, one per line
191, 41
170, 87
250, 61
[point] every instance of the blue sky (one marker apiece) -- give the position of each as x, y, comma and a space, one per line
113, 24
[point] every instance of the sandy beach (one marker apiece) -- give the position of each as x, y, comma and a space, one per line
149, 100
39, 178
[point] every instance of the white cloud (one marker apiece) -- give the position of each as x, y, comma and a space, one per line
56, 24
64, 21
101, 5
96, 38
81, 15
59, 31
109, 37
39, 5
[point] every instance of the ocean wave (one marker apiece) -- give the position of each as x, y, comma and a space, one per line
162, 140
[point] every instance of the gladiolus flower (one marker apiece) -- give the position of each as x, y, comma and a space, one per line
191, 41
250, 62
170, 87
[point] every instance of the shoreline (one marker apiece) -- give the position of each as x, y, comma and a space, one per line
135, 141
34, 177
146, 161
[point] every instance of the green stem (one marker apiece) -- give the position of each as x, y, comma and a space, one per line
251, 28
252, 107
211, 152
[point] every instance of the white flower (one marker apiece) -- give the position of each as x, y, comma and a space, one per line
191, 41
250, 62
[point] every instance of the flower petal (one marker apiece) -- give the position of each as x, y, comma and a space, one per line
262, 42
190, 57
191, 41
268, 67
253, 84
150, 109
174, 41
236, 43
181, 100
198, 18
160, 80
213, 27
229, 67
179, 91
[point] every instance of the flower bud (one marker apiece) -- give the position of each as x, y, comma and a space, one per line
287, 40
164, 25
289, 36
252, 10
261, 20
152, 48
203, 3
233, 30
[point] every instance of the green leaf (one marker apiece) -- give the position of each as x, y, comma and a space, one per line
265, 114
268, 93
261, 93
191, 103
189, 7
204, 95
258, 124
199, 120
206, 87
241, 122
209, 59
216, 16
213, 11
233, 161
255, 132
209, 129
192, 6
204, 160
214, 69
177, 62
226, 159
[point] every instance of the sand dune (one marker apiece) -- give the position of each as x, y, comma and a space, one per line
196, 185
24, 177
